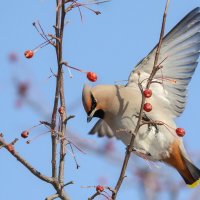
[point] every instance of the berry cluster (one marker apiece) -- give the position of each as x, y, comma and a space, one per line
147, 106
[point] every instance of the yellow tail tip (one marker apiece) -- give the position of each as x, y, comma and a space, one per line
195, 184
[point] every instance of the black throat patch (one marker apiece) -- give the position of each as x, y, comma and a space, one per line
99, 113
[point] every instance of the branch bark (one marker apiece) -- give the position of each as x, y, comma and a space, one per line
94, 196
52, 197
62, 102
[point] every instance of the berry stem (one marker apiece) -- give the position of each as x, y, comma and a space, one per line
41, 45
75, 68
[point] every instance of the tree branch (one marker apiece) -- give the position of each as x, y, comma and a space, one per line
56, 99
26, 164
155, 67
59, 94
154, 70
94, 195
62, 102
63, 132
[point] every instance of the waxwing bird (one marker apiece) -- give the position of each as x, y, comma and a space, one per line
118, 106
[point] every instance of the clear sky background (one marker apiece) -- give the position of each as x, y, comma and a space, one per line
109, 44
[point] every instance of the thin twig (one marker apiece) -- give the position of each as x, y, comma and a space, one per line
69, 117
96, 2
14, 141
154, 70
54, 37
94, 195
43, 35
159, 123
45, 123
73, 154
155, 67
69, 183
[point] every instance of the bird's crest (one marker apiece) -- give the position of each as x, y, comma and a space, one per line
86, 97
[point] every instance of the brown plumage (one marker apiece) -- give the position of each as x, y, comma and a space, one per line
186, 169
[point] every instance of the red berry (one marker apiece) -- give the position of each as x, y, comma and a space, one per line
180, 132
25, 134
10, 148
91, 76
147, 107
29, 54
99, 188
147, 93
61, 110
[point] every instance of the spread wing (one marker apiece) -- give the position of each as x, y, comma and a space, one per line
102, 129
178, 57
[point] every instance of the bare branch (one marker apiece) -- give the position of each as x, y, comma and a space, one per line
130, 146
94, 195
26, 164
62, 97
69, 117
54, 37
155, 67
69, 183
57, 92
63, 130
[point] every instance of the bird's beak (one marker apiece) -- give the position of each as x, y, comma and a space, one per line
90, 116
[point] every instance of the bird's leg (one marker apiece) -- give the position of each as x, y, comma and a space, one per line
147, 119
151, 123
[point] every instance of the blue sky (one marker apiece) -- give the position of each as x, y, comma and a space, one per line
109, 44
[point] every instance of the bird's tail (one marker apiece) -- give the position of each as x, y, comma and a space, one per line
191, 176
189, 172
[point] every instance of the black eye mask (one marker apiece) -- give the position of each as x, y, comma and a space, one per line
93, 106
